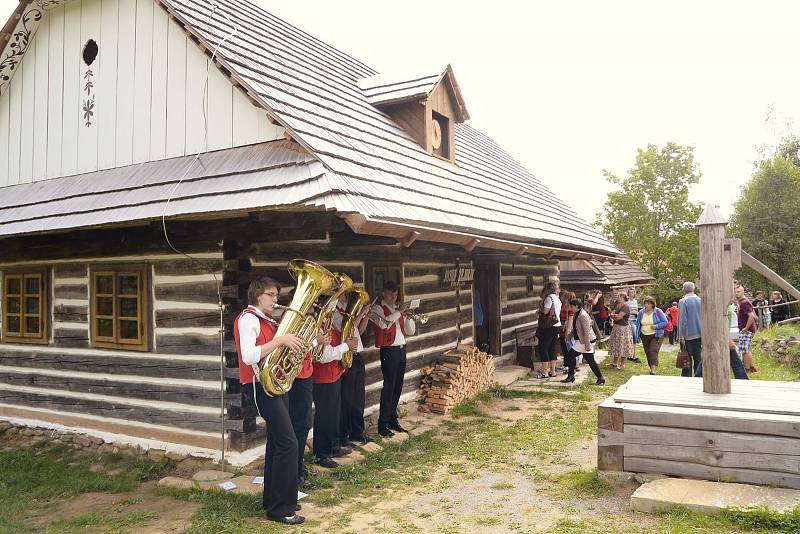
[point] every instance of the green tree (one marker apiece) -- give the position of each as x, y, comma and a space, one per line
650, 217
767, 220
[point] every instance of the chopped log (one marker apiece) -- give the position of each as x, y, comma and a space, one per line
455, 377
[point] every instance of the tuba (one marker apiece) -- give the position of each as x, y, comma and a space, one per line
325, 318
355, 304
281, 366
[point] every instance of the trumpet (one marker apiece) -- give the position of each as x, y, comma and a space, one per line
379, 320
421, 318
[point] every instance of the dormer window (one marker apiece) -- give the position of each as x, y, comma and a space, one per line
426, 106
440, 135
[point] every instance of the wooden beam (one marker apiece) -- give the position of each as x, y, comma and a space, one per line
409, 239
769, 274
550, 254
716, 364
521, 250
469, 247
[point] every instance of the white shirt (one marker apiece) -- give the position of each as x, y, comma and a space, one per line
555, 303
249, 330
338, 317
394, 317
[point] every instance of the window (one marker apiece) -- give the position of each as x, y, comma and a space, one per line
119, 304
378, 274
440, 136
25, 310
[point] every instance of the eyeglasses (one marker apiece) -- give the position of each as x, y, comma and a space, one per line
273, 294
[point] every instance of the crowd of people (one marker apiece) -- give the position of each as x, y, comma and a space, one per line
582, 323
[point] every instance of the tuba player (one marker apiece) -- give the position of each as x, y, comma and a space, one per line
254, 331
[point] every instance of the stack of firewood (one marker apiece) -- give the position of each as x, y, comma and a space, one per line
456, 376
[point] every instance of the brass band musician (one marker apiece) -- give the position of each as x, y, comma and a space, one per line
392, 344
254, 332
327, 399
351, 423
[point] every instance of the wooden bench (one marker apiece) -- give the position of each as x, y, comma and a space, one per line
526, 345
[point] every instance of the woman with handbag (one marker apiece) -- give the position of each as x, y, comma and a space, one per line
621, 344
651, 323
548, 327
581, 341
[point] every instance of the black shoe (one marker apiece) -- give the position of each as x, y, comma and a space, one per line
306, 485
338, 452
600, 381
385, 432
327, 463
366, 439
569, 379
293, 520
397, 428
297, 508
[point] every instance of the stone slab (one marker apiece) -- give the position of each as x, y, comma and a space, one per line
508, 374
244, 484
372, 446
210, 475
710, 497
352, 458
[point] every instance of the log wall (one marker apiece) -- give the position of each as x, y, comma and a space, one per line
171, 391
520, 305
344, 252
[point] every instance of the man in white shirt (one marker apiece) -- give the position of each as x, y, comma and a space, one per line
392, 344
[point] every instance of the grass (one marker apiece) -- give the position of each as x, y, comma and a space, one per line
31, 477
580, 484
768, 367
458, 451
101, 523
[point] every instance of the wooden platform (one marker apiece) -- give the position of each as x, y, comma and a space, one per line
664, 424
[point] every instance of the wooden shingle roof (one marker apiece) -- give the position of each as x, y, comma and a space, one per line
375, 175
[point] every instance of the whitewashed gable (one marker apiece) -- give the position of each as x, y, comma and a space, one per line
140, 99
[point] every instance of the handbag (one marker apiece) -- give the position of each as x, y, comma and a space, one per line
682, 361
549, 319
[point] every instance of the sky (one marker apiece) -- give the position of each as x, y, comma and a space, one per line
571, 88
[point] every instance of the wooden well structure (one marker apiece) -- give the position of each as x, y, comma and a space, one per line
708, 428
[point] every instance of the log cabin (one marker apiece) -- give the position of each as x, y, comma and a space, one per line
156, 155
580, 276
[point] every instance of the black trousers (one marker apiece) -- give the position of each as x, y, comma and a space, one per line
393, 368
351, 420
300, 399
280, 464
327, 405
572, 358
547, 343
672, 334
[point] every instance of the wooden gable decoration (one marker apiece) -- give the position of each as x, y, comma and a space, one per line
132, 87
427, 107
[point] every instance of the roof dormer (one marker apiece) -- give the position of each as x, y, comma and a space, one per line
426, 106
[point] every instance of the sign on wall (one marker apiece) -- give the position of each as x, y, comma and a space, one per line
457, 276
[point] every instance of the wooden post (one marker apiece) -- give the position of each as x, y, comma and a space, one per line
714, 324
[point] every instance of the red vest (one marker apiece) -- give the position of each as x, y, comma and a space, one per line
246, 374
384, 337
328, 373
307, 368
